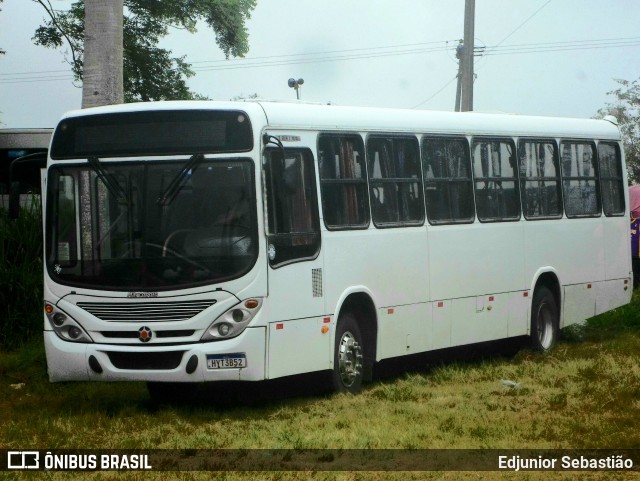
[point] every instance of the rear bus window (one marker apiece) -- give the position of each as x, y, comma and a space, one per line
611, 180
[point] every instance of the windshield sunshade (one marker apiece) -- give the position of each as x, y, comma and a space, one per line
152, 133
98, 238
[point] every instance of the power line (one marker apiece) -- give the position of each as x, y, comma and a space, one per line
298, 61
325, 52
495, 50
560, 47
522, 24
262, 62
35, 72
35, 79
440, 90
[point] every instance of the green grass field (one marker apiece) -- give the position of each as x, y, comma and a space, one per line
584, 394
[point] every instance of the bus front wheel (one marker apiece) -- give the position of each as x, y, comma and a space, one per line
544, 320
348, 373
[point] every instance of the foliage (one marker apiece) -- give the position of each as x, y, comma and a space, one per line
20, 276
151, 72
627, 110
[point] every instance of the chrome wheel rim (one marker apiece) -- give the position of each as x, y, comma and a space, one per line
545, 326
349, 359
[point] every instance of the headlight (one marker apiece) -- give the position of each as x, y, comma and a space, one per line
233, 322
65, 327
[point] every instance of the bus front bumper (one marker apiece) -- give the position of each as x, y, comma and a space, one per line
69, 361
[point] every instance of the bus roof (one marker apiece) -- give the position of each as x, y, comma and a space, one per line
298, 115
324, 117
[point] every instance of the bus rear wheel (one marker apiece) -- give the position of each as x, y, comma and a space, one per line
348, 371
544, 320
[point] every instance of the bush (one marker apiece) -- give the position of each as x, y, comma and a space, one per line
20, 276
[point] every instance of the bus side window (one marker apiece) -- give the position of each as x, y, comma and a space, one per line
580, 179
395, 181
447, 180
540, 185
610, 164
496, 186
292, 210
343, 181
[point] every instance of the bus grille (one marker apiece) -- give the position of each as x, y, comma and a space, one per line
157, 334
146, 311
146, 360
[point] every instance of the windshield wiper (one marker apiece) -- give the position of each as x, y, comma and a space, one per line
108, 179
174, 186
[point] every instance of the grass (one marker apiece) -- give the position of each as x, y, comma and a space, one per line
583, 395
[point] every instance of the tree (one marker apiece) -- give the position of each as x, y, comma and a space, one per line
151, 72
103, 54
627, 110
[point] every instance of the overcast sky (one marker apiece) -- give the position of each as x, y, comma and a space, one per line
541, 57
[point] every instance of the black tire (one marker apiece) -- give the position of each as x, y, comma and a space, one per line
545, 326
172, 392
348, 368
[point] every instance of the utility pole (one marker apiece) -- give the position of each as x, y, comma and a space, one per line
466, 62
459, 50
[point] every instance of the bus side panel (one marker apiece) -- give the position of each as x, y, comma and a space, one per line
477, 266
292, 294
519, 314
404, 330
572, 247
617, 249
441, 331
392, 265
612, 294
475, 259
299, 346
479, 319
579, 303
295, 303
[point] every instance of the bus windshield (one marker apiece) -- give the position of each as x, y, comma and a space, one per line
151, 225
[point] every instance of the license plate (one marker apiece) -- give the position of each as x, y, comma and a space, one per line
226, 361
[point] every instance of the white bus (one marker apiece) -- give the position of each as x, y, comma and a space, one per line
190, 242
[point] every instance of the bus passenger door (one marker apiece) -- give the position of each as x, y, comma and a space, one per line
295, 306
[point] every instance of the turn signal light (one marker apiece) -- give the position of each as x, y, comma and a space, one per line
251, 303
